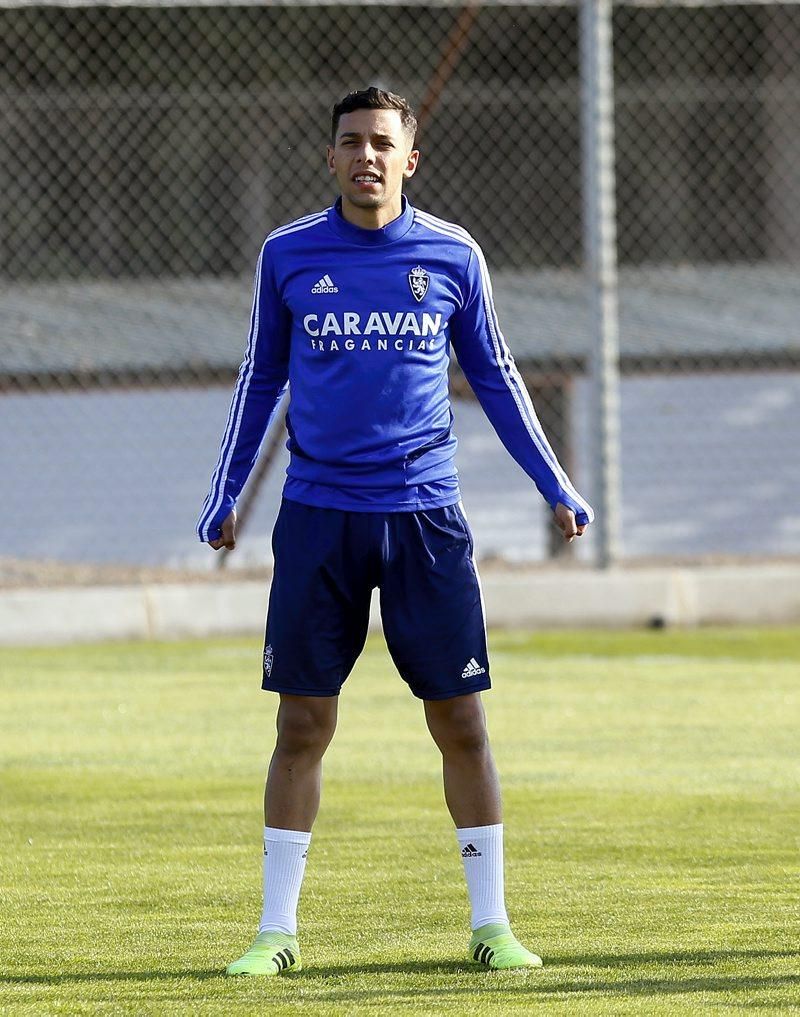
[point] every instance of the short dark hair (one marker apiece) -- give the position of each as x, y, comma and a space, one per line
374, 98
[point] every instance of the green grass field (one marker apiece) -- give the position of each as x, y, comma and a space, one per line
652, 800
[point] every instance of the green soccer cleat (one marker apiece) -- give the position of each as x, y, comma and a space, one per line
271, 954
496, 947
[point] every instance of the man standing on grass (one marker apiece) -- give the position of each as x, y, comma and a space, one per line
356, 308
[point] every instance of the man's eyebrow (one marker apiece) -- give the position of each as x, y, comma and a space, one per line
357, 134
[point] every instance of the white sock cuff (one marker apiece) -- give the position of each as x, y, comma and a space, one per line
275, 834
482, 855
470, 832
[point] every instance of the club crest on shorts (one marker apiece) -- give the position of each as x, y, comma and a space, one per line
268, 661
418, 280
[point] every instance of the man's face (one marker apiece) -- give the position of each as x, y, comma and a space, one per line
371, 157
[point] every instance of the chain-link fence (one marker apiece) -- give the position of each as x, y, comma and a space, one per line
146, 151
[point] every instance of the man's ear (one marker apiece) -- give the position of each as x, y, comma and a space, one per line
330, 160
411, 163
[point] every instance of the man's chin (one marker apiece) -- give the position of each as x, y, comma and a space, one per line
367, 200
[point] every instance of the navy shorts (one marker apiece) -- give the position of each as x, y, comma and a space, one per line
328, 561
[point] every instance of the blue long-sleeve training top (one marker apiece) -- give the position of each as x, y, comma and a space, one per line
359, 324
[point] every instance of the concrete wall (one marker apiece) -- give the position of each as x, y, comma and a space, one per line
548, 598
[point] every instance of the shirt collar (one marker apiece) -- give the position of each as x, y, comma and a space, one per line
387, 234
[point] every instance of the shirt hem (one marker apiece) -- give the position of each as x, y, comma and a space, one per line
345, 505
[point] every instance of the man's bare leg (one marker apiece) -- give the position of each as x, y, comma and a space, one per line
305, 728
471, 785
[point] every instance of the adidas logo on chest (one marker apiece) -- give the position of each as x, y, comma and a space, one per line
325, 285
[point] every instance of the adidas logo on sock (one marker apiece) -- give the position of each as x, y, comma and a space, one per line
470, 851
325, 285
472, 669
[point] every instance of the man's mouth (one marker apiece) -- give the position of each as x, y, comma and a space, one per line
367, 178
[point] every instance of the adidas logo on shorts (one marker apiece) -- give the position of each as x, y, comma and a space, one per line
470, 851
473, 669
325, 285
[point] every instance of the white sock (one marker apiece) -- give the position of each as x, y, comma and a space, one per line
482, 855
285, 854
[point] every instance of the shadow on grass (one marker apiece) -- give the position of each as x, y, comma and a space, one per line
109, 976
530, 983
688, 957
550, 982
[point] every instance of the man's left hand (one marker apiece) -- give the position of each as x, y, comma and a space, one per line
565, 521
227, 537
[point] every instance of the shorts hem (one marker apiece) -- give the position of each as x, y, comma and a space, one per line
287, 691
462, 690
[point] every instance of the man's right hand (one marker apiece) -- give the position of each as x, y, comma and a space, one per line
228, 536
565, 521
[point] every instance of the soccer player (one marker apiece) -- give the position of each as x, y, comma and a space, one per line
355, 309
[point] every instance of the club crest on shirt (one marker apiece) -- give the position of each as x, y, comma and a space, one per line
418, 280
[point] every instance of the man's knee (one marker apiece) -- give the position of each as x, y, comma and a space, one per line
458, 725
305, 724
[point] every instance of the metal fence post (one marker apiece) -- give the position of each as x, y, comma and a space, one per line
600, 260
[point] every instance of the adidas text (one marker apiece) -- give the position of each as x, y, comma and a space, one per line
325, 285
473, 669
470, 851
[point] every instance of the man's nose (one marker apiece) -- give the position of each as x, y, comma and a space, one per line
367, 154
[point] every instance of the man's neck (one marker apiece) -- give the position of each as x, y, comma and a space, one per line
372, 218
